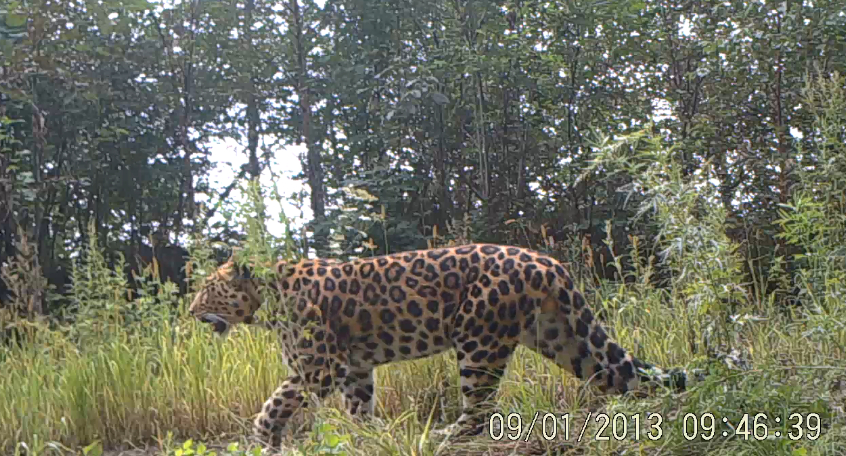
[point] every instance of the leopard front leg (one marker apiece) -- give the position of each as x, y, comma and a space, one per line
277, 410
359, 394
290, 397
319, 369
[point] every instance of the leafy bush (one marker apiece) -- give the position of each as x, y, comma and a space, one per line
120, 370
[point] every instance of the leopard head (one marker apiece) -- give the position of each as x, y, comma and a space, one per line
227, 297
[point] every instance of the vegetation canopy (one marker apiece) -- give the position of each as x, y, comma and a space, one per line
685, 160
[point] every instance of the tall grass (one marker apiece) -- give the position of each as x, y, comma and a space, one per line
117, 372
176, 378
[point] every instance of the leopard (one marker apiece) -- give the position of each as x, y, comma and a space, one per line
345, 318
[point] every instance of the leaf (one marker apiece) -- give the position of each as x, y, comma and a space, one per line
440, 98
94, 449
15, 20
332, 441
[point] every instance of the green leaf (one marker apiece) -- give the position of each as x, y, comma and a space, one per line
15, 20
333, 441
94, 449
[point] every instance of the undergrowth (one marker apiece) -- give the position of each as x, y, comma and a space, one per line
119, 372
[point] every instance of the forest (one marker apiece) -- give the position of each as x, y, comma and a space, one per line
685, 159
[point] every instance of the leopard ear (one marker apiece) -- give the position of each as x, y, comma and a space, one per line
231, 259
231, 271
245, 272
284, 269
227, 271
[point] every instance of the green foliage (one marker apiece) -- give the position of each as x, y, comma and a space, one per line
440, 111
722, 124
262, 248
109, 379
813, 221
705, 269
189, 448
324, 440
102, 300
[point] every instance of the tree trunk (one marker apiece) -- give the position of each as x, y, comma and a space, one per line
253, 117
314, 168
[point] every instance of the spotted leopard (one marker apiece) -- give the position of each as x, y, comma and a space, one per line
482, 300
